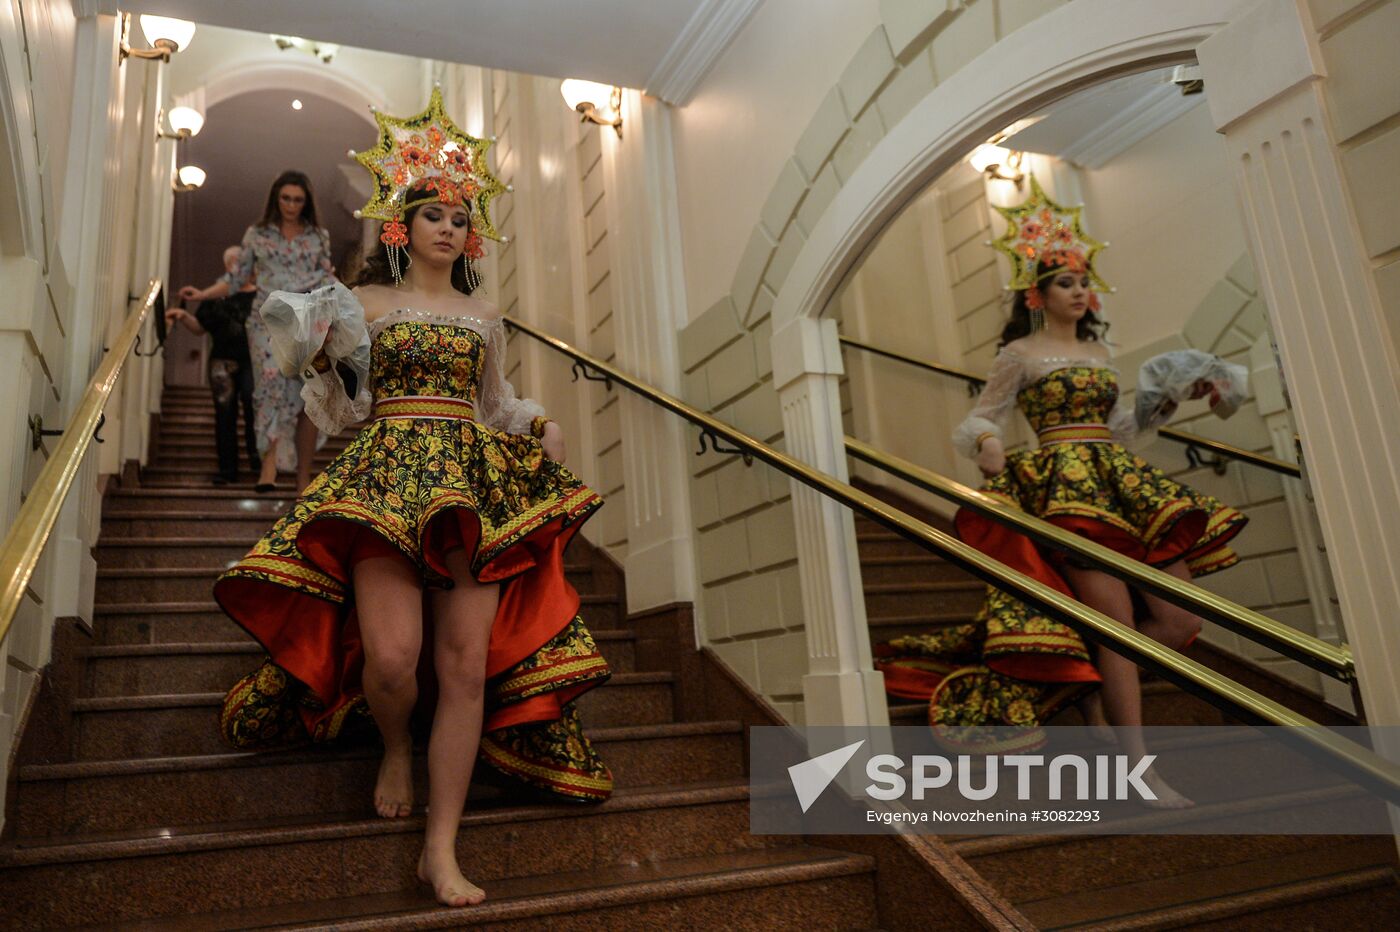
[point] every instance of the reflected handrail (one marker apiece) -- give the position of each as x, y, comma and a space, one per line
1333, 660
24, 543
1233, 452
1359, 763
974, 381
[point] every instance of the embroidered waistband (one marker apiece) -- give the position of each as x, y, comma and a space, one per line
1075, 433
424, 407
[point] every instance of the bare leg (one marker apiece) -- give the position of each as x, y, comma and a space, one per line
462, 619
1170, 625
389, 598
1122, 689
306, 451
268, 474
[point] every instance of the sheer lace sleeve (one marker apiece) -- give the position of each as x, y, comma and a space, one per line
998, 397
321, 336
496, 404
1123, 423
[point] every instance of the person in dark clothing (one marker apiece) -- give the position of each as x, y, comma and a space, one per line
230, 371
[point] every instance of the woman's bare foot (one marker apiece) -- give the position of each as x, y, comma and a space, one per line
1167, 798
445, 877
393, 791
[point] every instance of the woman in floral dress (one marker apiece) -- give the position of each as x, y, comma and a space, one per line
1014, 665
423, 569
285, 251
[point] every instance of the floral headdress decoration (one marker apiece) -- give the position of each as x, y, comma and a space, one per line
1039, 233
429, 153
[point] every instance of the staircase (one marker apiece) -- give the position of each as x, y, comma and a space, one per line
141, 817
1120, 882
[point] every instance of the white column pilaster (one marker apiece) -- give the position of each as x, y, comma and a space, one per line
841, 687
649, 308
1263, 74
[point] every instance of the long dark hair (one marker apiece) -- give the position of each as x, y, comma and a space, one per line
1088, 327
376, 271
272, 216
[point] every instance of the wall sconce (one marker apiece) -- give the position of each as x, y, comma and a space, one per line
188, 178
165, 35
995, 161
586, 97
185, 121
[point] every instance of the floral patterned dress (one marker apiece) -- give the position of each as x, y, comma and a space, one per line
275, 263
450, 459
1013, 665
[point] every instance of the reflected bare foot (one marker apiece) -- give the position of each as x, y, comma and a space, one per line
445, 877
1167, 798
393, 791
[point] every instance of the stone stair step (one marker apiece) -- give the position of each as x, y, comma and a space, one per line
186, 724
168, 623
894, 626
1352, 866
794, 888
1162, 704
156, 873
882, 543
329, 782
189, 522
229, 498
910, 568
147, 669
893, 599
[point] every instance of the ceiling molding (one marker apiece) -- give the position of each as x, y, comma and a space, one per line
1157, 107
697, 48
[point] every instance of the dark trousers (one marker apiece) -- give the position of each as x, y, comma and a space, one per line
232, 386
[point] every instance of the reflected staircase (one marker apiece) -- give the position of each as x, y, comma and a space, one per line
1119, 882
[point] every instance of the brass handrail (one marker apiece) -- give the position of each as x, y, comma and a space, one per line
25, 541
968, 377
1359, 763
1334, 660
1225, 449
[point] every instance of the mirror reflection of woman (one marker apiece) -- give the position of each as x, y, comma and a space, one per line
1015, 666
284, 251
423, 570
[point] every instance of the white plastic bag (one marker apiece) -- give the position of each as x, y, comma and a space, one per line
301, 325
1166, 380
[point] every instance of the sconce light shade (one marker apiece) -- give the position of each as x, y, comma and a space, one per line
166, 31
189, 177
186, 121
580, 95
985, 156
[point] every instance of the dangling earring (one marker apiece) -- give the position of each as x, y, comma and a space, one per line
1035, 304
395, 238
472, 276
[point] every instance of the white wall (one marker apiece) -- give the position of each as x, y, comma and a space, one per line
1168, 208
740, 127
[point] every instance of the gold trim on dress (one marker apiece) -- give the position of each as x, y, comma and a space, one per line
424, 407
1075, 433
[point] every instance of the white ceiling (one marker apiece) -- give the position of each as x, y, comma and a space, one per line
1092, 126
663, 47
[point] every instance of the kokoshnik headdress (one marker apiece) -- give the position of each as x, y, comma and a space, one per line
429, 152
1039, 233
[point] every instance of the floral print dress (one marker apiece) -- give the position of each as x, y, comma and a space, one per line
1013, 665
450, 459
275, 263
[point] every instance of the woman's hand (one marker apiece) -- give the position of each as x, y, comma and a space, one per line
174, 314
1204, 387
552, 440
991, 458
191, 293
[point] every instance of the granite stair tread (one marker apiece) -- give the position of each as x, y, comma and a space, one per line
167, 840
542, 897
1158, 902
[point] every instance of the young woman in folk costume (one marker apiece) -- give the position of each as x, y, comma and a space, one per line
456, 489
1013, 665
